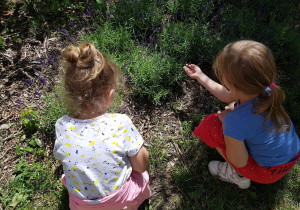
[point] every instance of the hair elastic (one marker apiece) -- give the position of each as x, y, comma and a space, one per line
272, 85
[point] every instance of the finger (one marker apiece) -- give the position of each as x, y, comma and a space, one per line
219, 112
188, 66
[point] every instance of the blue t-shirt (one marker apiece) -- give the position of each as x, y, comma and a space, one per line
265, 145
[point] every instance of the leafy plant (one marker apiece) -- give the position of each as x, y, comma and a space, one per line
29, 117
151, 74
30, 179
54, 6
52, 112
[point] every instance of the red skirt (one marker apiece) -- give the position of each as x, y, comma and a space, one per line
210, 131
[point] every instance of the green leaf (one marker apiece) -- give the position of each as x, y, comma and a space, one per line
38, 165
239, 207
29, 174
18, 177
81, 8
252, 194
32, 143
1, 42
40, 152
46, 196
20, 165
16, 199
18, 150
22, 138
52, 195
38, 142
29, 149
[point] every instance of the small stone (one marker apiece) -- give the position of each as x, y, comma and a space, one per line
5, 167
4, 126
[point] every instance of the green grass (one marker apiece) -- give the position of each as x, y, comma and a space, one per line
203, 191
34, 185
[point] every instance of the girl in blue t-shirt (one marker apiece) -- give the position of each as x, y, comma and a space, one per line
254, 133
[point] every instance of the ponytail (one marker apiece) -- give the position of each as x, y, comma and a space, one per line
271, 103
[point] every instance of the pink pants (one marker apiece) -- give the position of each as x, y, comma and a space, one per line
130, 196
210, 131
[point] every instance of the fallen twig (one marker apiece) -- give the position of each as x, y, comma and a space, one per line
11, 135
16, 205
10, 159
7, 151
6, 118
179, 151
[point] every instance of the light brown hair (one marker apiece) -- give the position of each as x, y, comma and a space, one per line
88, 75
249, 67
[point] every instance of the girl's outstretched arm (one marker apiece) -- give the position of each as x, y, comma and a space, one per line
215, 88
139, 162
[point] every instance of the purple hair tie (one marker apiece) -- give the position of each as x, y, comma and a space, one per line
272, 85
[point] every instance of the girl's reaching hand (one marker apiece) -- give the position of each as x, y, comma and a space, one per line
192, 70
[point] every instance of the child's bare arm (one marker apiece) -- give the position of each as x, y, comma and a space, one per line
236, 152
215, 88
139, 162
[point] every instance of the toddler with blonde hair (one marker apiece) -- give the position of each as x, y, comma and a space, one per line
254, 133
103, 157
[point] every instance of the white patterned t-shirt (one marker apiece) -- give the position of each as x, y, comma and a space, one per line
95, 152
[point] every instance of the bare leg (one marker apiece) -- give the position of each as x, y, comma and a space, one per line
221, 153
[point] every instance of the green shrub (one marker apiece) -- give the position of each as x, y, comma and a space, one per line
150, 73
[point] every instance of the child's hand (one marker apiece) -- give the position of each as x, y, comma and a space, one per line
192, 70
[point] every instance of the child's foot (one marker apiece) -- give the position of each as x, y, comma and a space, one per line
228, 174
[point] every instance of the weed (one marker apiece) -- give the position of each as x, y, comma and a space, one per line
1, 42
31, 179
158, 153
29, 117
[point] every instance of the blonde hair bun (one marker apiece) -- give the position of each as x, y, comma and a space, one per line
88, 74
71, 54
